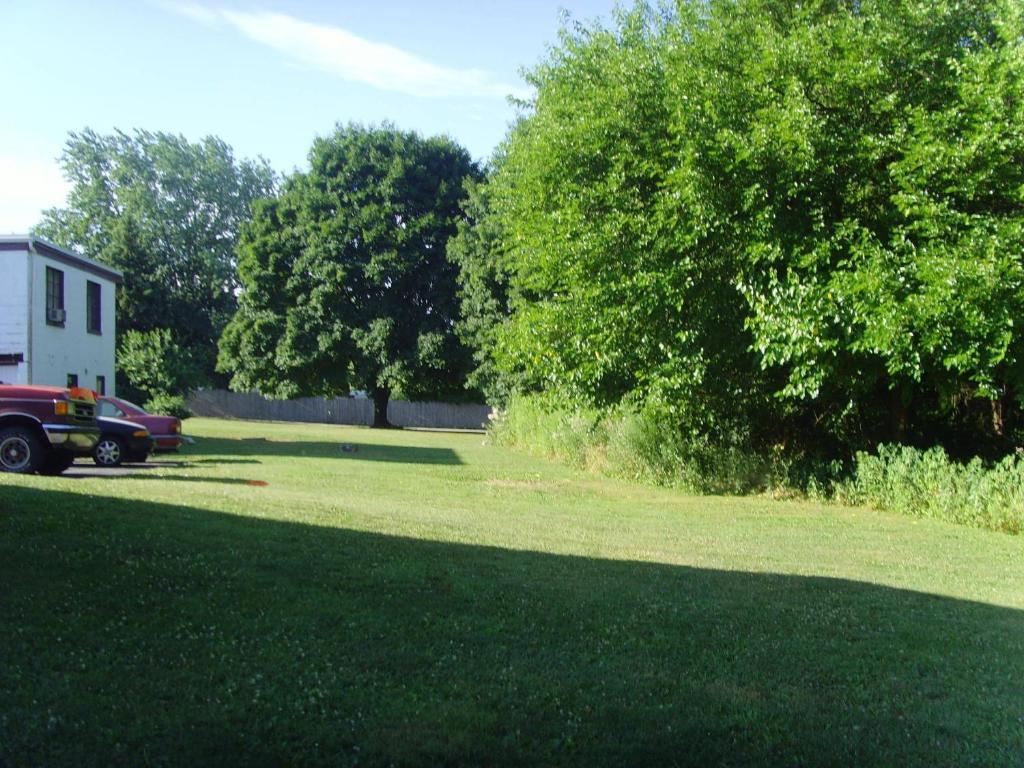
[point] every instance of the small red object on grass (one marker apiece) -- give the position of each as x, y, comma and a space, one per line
257, 482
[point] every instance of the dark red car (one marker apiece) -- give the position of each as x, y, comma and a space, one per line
166, 430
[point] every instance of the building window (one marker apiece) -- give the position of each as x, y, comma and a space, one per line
54, 297
101, 385
93, 321
72, 380
12, 358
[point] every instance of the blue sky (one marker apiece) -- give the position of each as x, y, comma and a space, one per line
266, 76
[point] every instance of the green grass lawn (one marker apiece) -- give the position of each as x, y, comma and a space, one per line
430, 600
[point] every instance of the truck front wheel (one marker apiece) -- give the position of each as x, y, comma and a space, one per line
56, 462
20, 450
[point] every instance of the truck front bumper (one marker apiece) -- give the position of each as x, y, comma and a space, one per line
72, 438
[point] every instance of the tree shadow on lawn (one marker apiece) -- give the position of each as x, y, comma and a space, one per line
221, 460
399, 454
127, 473
140, 630
83, 467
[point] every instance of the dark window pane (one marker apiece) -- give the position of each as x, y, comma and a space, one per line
93, 320
54, 296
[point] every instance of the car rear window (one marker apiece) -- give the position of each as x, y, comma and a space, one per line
107, 408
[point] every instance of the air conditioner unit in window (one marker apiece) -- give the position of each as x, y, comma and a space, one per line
56, 315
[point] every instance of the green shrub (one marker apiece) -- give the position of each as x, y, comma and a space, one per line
538, 425
637, 443
928, 484
640, 443
168, 405
155, 364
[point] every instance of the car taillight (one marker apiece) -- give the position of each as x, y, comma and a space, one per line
176, 426
60, 407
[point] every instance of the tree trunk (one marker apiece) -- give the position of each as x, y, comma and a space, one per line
999, 408
899, 413
998, 422
381, 395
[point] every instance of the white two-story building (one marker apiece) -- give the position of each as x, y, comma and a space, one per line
56, 316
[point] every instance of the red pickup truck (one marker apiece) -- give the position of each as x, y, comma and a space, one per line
43, 429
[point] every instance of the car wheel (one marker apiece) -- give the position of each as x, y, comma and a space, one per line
56, 463
109, 452
21, 450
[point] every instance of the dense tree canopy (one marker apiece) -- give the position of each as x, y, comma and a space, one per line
782, 221
477, 250
782, 224
167, 212
346, 280
878, 151
612, 295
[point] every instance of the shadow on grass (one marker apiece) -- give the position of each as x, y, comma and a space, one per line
224, 461
143, 632
253, 481
399, 454
128, 472
87, 468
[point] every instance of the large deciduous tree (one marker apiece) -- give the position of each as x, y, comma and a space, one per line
167, 212
614, 294
873, 159
346, 280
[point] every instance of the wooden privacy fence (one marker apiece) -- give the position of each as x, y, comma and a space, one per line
337, 410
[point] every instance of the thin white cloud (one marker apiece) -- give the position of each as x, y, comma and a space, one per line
31, 185
343, 54
192, 11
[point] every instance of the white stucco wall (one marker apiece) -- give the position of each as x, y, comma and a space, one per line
55, 351
14, 289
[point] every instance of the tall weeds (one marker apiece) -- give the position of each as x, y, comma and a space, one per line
928, 484
641, 444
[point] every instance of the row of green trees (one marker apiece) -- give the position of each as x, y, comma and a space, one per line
782, 225
795, 224
336, 279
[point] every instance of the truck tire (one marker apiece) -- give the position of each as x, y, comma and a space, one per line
21, 450
56, 462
